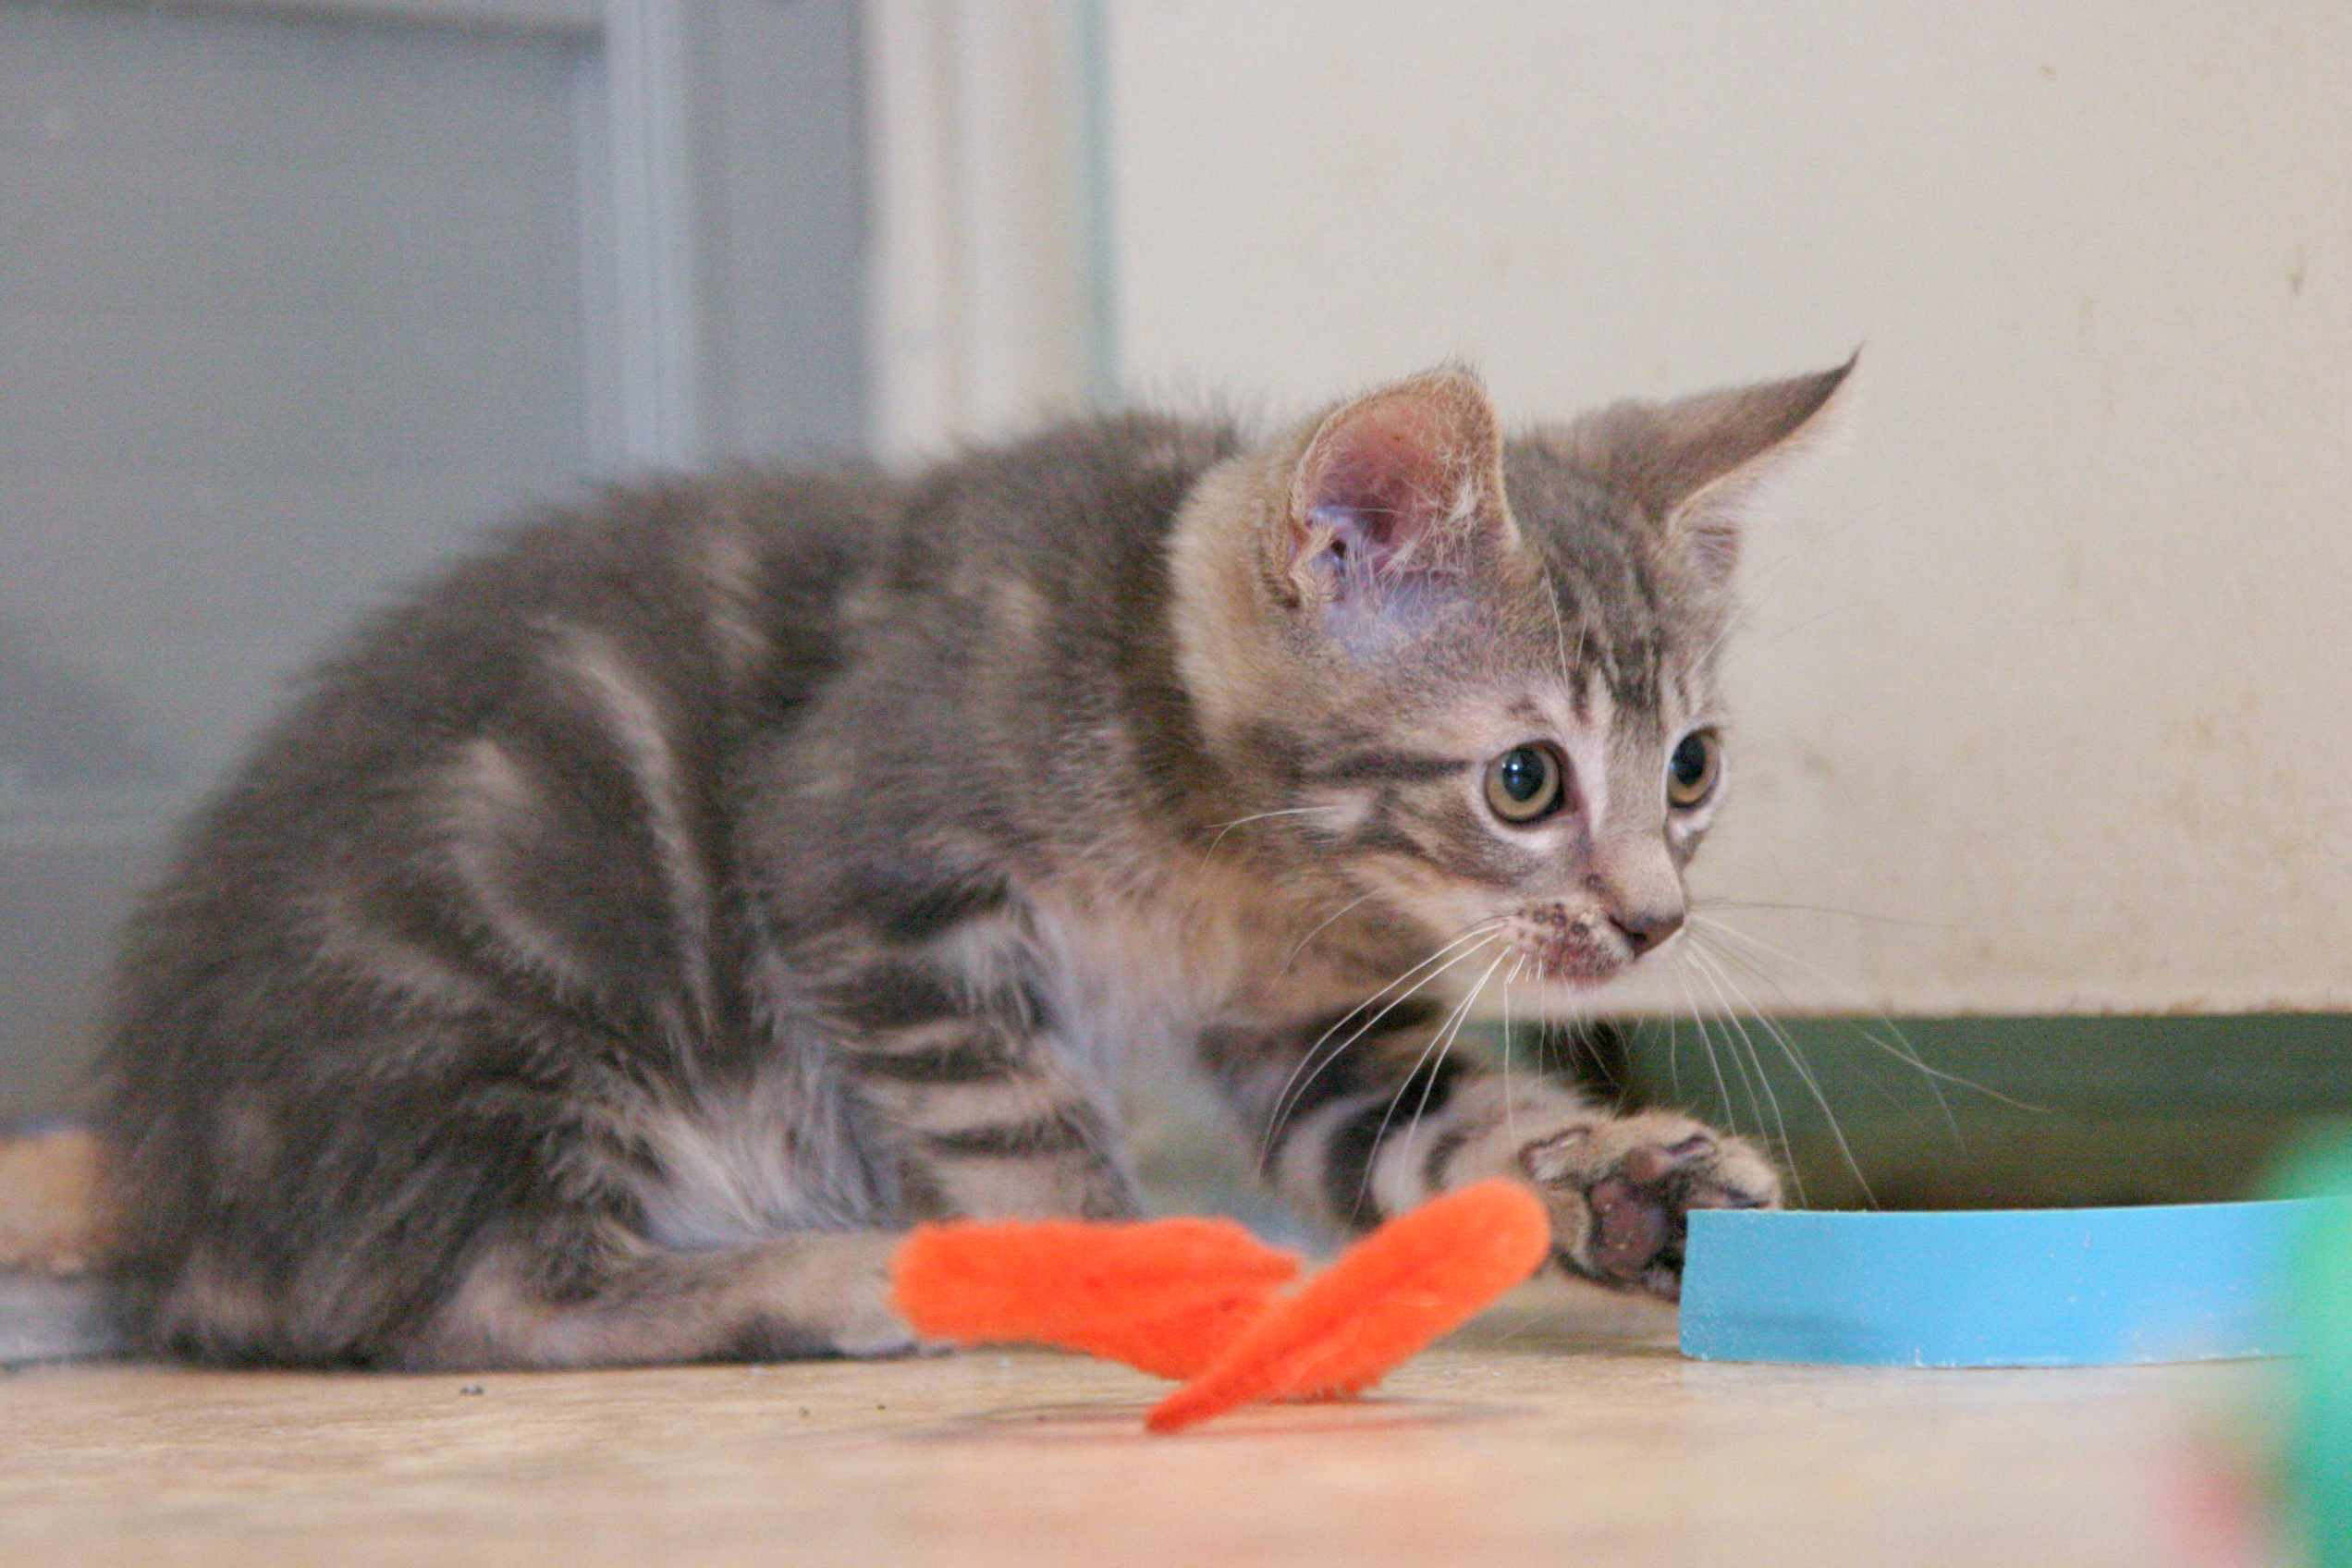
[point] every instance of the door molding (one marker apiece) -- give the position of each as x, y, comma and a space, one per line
987, 271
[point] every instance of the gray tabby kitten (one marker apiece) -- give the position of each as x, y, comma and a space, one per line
619, 943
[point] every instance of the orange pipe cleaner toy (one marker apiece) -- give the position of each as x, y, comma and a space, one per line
1165, 1296
1199, 1299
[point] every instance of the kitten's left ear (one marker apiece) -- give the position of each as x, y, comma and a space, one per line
1401, 484
1701, 467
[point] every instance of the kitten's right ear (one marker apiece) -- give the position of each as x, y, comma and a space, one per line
1701, 467
1395, 486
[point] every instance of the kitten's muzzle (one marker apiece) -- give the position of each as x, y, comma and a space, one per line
1576, 950
1588, 948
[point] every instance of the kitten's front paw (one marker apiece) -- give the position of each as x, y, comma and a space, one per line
1619, 1188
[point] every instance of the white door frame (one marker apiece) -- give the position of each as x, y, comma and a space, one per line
987, 281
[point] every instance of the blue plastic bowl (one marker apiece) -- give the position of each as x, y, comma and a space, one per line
2060, 1286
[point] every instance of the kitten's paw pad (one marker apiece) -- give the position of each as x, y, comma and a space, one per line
1618, 1190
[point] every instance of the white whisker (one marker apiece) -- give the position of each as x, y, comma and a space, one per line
1706, 1041
1319, 930
1432, 1052
1673, 1046
1808, 1076
1559, 634
1711, 972
1308, 1068
1735, 1037
1510, 1123
1814, 909
1260, 816
1900, 1047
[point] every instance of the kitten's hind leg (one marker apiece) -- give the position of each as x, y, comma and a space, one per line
811, 1295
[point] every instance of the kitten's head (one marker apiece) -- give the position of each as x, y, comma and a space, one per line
1476, 677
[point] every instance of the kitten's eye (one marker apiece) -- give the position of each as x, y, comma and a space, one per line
1526, 783
1691, 772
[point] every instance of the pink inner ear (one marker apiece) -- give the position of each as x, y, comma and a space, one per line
1382, 477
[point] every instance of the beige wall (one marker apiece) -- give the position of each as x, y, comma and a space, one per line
2049, 676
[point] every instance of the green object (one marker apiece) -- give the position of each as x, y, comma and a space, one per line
2317, 1300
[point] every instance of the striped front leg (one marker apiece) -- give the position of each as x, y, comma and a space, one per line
1362, 1133
963, 1076
1336, 1106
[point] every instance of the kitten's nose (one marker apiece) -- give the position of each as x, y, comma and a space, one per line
1645, 928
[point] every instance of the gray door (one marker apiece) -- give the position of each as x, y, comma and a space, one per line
293, 299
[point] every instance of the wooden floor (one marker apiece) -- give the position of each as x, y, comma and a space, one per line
1545, 1435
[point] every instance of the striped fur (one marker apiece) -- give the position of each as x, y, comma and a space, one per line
621, 940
